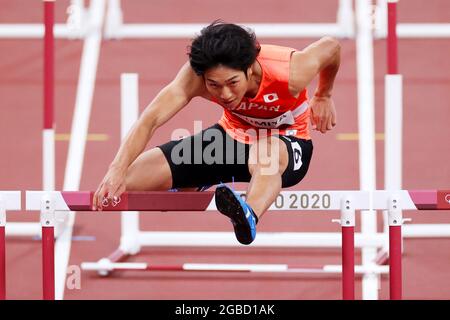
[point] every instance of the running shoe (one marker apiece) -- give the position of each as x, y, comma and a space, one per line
240, 213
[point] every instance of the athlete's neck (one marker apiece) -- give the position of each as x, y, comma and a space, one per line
254, 80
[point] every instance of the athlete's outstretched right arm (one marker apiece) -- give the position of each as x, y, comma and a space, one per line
164, 106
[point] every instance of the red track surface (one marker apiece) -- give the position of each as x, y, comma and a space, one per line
424, 64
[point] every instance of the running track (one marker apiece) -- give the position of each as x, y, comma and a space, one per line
424, 64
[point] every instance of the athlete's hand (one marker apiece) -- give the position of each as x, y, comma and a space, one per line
323, 113
110, 189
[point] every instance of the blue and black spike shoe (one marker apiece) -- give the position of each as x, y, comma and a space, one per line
240, 213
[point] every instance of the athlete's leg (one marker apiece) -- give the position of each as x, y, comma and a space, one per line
161, 169
268, 160
149, 172
273, 163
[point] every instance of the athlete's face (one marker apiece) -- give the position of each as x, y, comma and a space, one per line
227, 85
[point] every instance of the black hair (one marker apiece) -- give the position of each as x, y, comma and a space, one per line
224, 44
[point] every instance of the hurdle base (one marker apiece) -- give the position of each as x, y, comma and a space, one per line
263, 239
117, 259
106, 267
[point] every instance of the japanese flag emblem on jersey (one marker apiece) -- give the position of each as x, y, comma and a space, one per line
270, 97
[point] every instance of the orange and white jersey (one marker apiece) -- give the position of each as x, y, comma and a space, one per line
273, 108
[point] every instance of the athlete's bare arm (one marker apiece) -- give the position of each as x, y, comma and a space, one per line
320, 58
171, 99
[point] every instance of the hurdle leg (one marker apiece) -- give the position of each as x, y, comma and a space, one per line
8, 201
348, 263
347, 222
48, 248
2, 253
395, 249
395, 265
47, 221
48, 133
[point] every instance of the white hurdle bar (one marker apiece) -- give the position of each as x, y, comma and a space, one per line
115, 28
75, 27
344, 201
407, 30
9, 200
33, 31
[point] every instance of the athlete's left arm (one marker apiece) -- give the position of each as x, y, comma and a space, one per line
320, 58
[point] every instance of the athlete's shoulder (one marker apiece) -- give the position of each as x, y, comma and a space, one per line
275, 52
187, 80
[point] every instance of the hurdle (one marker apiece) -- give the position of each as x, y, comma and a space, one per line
388, 27
116, 29
407, 30
9, 200
48, 31
347, 202
74, 28
48, 131
84, 23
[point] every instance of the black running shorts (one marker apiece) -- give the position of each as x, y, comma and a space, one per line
212, 157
